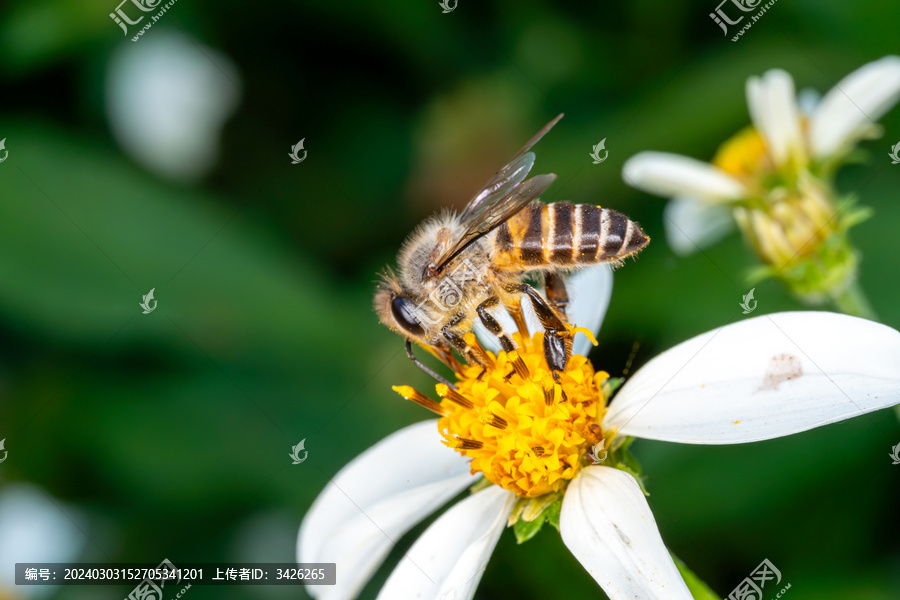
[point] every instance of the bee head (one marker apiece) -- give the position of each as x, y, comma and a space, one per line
397, 309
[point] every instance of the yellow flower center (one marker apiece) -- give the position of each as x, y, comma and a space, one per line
523, 431
744, 155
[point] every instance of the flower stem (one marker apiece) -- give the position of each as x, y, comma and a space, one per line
852, 301
699, 590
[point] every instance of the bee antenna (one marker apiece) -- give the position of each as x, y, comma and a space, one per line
425, 368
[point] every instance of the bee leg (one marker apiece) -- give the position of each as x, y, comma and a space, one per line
558, 297
557, 343
457, 341
421, 365
491, 323
556, 293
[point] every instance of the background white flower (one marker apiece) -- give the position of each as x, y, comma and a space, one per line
34, 529
167, 99
703, 194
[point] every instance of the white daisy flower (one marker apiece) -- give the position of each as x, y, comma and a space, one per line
775, 179
758, 379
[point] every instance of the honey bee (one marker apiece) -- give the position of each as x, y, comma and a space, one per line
455, 267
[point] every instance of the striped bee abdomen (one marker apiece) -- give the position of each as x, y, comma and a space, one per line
564, 234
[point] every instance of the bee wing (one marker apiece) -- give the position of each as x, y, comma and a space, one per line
505, 193
495, 214
507, 178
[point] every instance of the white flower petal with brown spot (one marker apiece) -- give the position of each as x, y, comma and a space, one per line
762, 378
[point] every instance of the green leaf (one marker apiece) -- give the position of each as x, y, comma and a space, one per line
85, 235
698, 588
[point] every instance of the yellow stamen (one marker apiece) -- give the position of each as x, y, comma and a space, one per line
421, 399
525, 432
445, 391
519, 365
473, 343
587, 333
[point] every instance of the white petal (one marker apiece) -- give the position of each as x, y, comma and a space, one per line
762, 378
772, 101
756, 102
589, 292
808, 100
448, 560
374, 500
693, 225
669, 175
490, 341
607, 524
858, 100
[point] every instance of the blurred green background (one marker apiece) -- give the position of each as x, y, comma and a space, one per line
168, 434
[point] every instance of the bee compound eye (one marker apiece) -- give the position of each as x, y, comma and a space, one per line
404, 313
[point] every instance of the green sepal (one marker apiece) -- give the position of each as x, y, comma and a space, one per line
825, 168
620, 457
479, 485
611, 385
816, 278
855, 216
758, 274
525, 530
